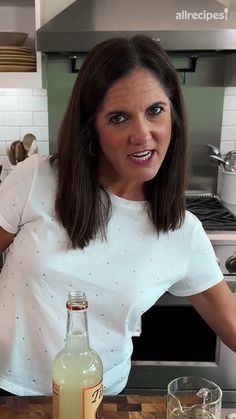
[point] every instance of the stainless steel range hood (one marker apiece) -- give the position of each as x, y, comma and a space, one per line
86, 22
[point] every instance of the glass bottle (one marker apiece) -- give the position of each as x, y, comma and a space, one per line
77, 369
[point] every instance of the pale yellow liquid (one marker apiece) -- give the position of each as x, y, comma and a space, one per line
72, 371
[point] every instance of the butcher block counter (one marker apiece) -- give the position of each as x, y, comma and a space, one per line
115, 407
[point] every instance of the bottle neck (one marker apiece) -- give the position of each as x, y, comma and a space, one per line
77, 339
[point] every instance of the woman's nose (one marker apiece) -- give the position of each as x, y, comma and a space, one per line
140, 132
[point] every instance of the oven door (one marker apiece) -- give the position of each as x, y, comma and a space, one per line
176, 341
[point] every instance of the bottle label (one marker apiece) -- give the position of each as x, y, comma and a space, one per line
92, 407
56, 401
92, 402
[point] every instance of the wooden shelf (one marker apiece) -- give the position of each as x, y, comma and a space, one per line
22, 16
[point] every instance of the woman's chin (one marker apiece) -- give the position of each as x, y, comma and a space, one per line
146, 175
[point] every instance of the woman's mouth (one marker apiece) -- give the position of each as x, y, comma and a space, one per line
141, 156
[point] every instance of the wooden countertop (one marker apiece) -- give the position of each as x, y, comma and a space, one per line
115, 407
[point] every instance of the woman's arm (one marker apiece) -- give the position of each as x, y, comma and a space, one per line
5, 239
217, 306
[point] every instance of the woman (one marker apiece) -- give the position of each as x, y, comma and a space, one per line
104, 215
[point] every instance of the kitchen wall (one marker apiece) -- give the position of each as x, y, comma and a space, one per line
22, 111
26, 110
228, 132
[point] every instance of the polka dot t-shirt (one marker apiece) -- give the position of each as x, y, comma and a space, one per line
122, 277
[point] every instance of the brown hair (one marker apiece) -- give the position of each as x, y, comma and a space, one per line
79, 205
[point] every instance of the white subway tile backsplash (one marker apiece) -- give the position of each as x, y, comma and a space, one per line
229, 118
43, 147
8, 103
9, 134
18, 118
22, 111
41, 133
40, 119
230, 91
39, 92
3, 146
227, 146
228, 133
33, 103
17, 92
230, 103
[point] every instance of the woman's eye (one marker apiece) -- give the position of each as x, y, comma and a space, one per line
117, 119
155, 110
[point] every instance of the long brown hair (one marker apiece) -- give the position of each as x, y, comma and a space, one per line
80, 206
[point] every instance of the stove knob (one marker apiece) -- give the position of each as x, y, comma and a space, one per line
230, 264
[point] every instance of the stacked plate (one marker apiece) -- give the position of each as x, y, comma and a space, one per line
15, 58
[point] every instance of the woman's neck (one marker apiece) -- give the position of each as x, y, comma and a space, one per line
131, 192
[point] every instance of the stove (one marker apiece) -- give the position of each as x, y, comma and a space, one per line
220, 225
199, 351
211, 212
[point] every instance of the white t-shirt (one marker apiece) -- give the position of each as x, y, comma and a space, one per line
122, 277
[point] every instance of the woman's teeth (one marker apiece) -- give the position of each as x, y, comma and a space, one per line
142, 155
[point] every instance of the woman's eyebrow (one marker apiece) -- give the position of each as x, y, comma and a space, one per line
158, 103
115, 111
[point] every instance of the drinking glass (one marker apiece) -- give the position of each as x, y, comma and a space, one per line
193, 398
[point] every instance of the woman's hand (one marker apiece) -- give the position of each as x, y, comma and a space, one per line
5, 239
217, 306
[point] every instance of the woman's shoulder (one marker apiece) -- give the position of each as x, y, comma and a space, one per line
43, 162
191, 224
36, 165
32, 163
189, 231
191, 219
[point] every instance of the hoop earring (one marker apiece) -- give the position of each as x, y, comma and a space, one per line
91, 151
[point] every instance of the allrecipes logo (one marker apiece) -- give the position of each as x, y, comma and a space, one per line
204, 15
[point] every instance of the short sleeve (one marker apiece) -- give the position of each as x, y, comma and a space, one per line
14, 194
203, 270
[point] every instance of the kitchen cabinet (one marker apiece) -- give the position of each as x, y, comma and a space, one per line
22, 16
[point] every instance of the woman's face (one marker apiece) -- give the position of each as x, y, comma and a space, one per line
134, 131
